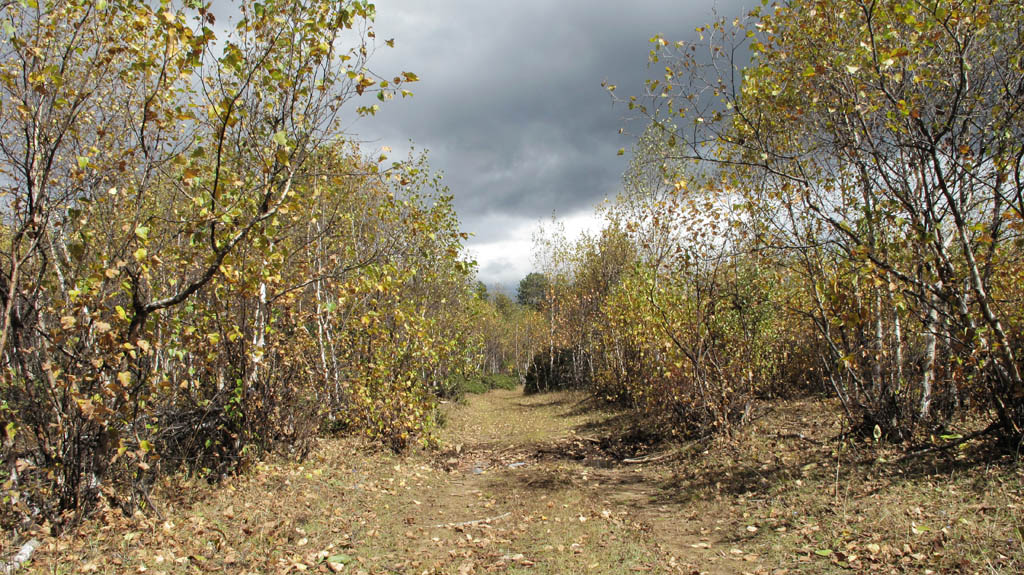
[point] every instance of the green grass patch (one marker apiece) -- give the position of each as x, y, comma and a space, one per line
483, 384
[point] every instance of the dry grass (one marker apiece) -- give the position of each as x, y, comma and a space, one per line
537, 485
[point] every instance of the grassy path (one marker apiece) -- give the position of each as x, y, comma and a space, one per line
550, 462
544, 484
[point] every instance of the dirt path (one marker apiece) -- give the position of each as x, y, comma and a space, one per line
549, 470
523, 484
550, 484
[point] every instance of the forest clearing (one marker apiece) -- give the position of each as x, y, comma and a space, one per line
237, 335
543, 484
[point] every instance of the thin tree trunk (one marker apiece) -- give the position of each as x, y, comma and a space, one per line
897, 332
877, 379
928, 375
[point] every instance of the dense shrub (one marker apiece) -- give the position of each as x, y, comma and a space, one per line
845, 213
202, 269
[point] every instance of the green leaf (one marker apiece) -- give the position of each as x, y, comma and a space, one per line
282, 157
281, 138
342, 558
232, 57
83, 162
145, 445
823, 552
142, 232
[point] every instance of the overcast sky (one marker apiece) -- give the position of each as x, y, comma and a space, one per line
511, 108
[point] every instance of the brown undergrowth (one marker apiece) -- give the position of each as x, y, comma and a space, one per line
555, 483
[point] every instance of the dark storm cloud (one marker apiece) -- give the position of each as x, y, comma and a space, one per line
511, 104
